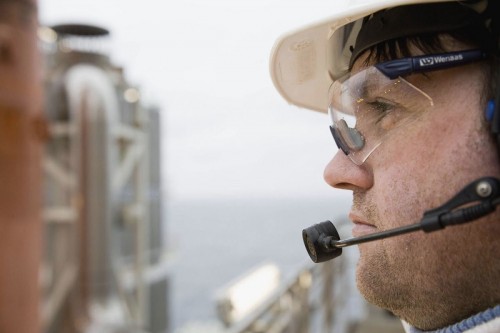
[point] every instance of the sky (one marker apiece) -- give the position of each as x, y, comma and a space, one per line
227, 133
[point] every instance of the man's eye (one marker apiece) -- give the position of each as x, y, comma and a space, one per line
385, 114
380, 105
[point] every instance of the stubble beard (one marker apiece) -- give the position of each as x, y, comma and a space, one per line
421, 278
395, 273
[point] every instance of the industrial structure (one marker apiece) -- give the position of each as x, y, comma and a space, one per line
103, 267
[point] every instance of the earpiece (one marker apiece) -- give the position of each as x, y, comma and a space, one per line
493, 108
490, 110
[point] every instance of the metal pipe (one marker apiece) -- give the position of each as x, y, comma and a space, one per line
20, 170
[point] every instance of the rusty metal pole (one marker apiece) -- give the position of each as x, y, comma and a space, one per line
20, 171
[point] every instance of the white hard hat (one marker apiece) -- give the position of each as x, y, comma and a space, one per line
304, 63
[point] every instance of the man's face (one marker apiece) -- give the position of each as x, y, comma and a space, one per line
418, 167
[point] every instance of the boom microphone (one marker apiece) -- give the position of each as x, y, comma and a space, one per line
480, 198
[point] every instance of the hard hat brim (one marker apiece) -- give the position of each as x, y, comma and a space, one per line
305, 62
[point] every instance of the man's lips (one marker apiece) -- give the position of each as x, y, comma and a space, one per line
361, 227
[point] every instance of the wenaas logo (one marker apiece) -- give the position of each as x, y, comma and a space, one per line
427, 61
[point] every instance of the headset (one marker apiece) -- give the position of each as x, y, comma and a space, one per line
480, 198
477, 199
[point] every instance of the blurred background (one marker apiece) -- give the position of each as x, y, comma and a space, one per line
205, 64
240, 169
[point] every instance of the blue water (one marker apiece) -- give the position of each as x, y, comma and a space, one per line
216, 241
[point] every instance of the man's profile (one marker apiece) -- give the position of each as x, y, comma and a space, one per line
412, 92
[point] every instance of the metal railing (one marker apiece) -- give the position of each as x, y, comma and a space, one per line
304, 303
319, 298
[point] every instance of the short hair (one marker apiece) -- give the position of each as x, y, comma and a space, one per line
476, 36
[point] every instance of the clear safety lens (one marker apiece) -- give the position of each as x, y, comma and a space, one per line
367, 106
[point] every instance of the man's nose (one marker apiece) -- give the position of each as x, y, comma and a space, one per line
342, 173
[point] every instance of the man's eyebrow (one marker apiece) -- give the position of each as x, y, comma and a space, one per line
364, 88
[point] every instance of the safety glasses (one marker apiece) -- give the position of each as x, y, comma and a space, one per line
368, 106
